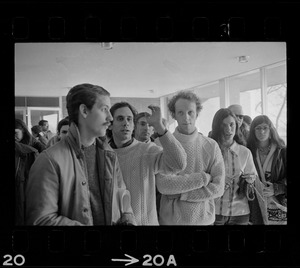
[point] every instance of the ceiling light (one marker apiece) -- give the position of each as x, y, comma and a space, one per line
243, 59
108, 45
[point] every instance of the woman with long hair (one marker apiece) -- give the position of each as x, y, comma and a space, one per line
23, 135
241, 176
269, 154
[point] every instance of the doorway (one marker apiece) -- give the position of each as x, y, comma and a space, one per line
52, 115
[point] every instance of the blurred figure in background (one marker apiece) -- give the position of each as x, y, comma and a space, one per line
245, 128
25, 155
239, 114
62, 131
38, 134
22, 135
45, 128
142, 130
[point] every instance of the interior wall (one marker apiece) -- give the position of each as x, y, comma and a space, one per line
140, 104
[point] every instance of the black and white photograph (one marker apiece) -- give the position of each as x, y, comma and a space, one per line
150, 133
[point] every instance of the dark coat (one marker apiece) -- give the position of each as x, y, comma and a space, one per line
25, 155
278, 178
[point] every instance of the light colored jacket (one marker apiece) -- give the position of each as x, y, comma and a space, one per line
57, 191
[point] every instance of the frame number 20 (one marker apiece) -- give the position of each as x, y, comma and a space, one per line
17, 260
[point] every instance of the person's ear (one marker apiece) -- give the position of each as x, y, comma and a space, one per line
83, 110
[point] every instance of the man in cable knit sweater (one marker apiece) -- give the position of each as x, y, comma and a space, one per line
188, 197
140, 161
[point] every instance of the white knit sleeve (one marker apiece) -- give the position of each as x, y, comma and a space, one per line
177, 184
215, 187
172, 158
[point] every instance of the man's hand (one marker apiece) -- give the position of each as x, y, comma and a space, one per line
155, 119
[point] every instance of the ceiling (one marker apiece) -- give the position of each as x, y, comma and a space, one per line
147, 70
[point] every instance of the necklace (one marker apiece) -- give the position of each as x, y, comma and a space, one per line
264, 150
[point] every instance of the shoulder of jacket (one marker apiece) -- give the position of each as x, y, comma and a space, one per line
60, 146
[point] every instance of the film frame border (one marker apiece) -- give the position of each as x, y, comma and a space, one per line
127, 23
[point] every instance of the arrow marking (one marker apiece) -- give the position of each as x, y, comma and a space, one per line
130, 261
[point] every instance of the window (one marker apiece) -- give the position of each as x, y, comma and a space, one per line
210, 99
245, 89
35, 114
204, 121
276, 98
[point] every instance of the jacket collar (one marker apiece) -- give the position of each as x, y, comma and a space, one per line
73, 137
234, 148
114, 146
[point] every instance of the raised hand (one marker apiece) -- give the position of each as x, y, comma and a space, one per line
155, 119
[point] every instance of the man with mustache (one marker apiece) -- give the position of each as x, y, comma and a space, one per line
77, 181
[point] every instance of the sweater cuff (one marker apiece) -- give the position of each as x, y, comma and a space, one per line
184, 196
206, 178
162, 134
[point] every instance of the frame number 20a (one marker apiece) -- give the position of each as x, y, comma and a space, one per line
158, 260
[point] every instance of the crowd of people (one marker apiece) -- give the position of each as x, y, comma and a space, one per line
110, 165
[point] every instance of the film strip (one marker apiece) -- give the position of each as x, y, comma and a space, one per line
193, 246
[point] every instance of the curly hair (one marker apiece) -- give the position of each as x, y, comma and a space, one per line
186, 95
